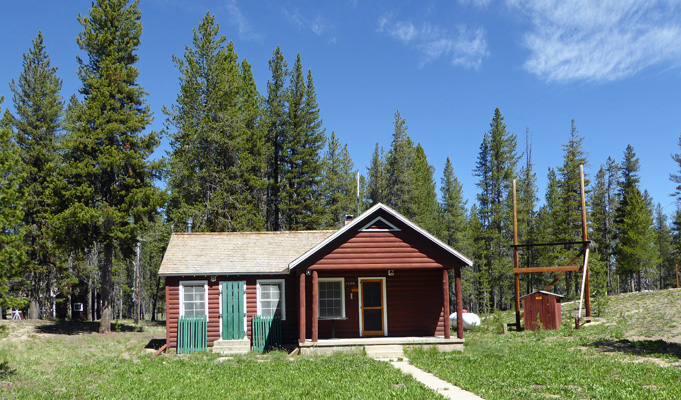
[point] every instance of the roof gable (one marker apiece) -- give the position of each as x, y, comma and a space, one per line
369, 219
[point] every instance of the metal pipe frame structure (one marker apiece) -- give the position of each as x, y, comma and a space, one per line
583, 253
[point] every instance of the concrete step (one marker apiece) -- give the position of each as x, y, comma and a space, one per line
383, 352
242, 346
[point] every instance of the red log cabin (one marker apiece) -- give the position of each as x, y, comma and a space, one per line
378, 276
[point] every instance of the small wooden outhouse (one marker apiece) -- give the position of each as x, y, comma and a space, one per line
542, 309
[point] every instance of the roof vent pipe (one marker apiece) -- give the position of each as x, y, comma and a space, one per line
348, 218
190, 221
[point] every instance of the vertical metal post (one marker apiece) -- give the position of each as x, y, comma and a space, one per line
585, 238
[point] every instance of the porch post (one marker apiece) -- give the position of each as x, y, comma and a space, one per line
459, 302
301, 306
315, 310
445, 307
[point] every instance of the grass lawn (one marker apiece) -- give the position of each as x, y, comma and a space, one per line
87, 365
632, 352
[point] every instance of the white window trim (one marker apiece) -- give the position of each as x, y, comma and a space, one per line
385, 304
283, 295
205, 295
342, 282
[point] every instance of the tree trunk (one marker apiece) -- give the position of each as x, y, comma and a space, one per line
155, 300
90, 305
107, 288
34, 305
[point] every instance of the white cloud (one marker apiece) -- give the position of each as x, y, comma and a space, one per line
242, 24
600, 41
318, 25
476, 3
466, 47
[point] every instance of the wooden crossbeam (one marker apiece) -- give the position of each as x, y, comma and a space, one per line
561, 268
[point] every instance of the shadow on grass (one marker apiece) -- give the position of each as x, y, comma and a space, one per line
5, 369
656, 348
80, 327
155, 344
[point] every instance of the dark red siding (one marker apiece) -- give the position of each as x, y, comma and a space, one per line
542, 307
413, 303
173, 305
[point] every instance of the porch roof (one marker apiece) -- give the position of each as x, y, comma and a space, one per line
236, 253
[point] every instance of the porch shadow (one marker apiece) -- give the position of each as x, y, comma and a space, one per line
643, 348
155, 344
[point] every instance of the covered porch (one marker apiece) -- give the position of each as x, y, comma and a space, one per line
435, 321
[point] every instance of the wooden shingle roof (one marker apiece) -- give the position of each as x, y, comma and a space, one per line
236, 253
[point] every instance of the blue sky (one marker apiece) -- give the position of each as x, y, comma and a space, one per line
612, 65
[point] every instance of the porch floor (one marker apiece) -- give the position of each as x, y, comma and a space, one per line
327, 346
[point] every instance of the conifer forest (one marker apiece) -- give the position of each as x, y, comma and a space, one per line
86, 213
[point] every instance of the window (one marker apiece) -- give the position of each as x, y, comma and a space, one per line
271, 298
331, 298
193, 298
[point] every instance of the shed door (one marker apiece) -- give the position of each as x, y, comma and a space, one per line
372, 307
233, 310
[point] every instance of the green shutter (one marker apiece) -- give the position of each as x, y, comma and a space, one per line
233, 310
192, 333
266, 333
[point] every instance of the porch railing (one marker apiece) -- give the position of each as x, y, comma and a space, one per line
192, 333
266, 333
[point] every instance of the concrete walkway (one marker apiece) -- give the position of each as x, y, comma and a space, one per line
444, 388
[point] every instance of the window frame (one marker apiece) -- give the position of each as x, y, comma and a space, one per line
319, 298
282, 283
205, 295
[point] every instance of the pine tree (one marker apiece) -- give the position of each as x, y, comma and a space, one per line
569, 218
39, 111
453, 210
276, 136
527, 213
376, 185
676, 178
398, 166
252, 153
108, 180
422, 198
12, 248
496, 169
603, 200
303, 207
663, 242
210, 121
339, 186
636, 248
546, 224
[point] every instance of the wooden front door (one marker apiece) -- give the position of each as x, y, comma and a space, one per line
233, 310
372, 308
